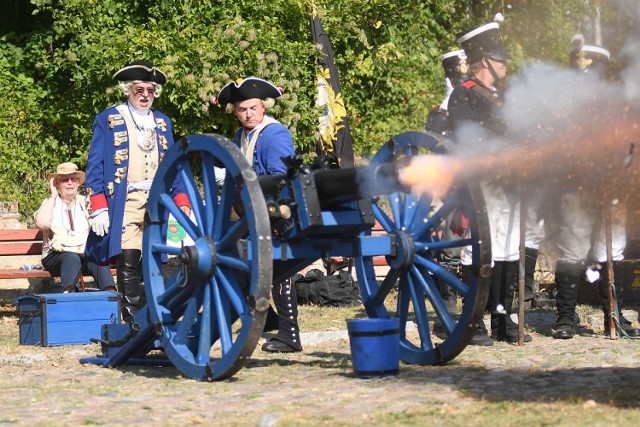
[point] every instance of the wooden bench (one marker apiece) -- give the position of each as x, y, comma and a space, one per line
20, 243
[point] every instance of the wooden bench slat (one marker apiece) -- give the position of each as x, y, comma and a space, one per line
21, 234
20, 248
16, 273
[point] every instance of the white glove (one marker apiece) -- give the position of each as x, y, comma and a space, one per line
99, 221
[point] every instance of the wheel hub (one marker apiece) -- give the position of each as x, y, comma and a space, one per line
405, 250
201, 257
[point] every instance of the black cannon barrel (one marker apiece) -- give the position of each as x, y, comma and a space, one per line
335, 186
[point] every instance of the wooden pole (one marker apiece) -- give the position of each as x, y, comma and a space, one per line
610, 276
521, 267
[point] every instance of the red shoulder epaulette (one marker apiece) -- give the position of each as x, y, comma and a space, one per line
469, 84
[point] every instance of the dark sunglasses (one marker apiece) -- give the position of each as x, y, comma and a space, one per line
141, 90
68, 178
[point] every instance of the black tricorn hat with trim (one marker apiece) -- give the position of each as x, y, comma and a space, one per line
481, 41
247, 88
141, 70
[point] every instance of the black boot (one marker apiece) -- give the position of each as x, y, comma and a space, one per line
504, 280
287, 340
271, 324
568, 277
480, 336
603, 295
130, 283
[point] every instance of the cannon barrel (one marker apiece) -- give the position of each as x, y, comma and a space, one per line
336, 186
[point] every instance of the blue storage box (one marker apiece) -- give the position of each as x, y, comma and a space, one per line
63, 319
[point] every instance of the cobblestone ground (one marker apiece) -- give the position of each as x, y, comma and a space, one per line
588, 380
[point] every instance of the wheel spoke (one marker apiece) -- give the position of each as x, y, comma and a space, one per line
223, 320
404, 298
233, 234
210, 190
189, 318
395, 202
235, 263
410, 206
204, 343
420, 312
429, 287
387, 284
443, 274
181, 218
438, 216
225, 207
234, 294
158, 248
443, 244
421, 213
383, 219
191, 189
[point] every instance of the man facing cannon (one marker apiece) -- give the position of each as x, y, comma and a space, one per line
265, 142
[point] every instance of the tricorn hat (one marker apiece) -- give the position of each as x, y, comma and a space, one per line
141, 70
481, 41
455, 66
247, 88
68, 168
587, 57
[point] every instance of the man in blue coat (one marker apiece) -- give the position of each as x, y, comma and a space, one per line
129, 141
265, 142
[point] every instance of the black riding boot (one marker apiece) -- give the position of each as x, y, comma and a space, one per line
271, 324
129, 274
504, 280
568, 275
287, 340
603, 294
480, 336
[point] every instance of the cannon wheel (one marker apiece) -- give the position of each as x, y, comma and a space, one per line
416, 223
208, 303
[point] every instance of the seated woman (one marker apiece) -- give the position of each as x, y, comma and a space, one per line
63, 219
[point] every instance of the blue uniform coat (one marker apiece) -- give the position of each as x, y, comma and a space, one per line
106, 176
273, 143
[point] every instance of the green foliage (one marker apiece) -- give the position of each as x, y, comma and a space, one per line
56, 68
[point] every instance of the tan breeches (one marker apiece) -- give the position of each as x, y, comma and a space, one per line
133, 223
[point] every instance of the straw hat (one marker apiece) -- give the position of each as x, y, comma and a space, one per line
68, 168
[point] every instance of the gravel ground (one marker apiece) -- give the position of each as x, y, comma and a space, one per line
588, 380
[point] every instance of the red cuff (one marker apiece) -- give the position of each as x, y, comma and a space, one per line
99, 201
181, 200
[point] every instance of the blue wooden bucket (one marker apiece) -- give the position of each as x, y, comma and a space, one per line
375, 347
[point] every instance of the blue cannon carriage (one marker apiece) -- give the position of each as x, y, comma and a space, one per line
206, 308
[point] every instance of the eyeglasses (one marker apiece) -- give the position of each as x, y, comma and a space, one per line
68, 178
141, 90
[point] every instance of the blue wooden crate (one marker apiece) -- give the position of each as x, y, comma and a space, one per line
64, 319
